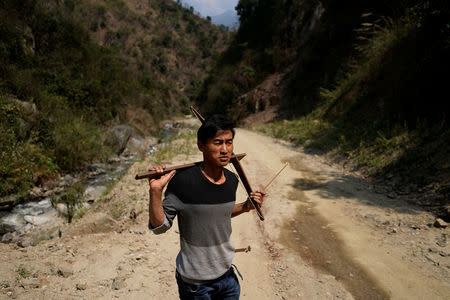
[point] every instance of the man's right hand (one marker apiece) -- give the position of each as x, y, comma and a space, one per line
160, 182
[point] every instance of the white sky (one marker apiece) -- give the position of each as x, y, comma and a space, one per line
212, 7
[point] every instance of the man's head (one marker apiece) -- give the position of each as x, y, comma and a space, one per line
215, 140
211, 125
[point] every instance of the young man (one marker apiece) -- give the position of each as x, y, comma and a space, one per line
203, 197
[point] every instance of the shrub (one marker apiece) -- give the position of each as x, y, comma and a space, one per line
77, 143
23, 162
72, 198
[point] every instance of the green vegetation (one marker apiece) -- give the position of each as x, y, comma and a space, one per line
182, 144
81, 212
116, 210
70, 70
72, 198
23, 272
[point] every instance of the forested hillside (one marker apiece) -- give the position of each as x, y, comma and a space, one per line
71, 69
363, 79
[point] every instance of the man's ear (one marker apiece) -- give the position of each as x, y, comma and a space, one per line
200, 146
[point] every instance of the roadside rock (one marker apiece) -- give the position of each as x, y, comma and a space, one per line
439, 223
118, 283
29, 283
65, 272
81, 286
9, 291
24, 242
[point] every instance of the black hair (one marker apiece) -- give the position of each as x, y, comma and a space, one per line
213, 124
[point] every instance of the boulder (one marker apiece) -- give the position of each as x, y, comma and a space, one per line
36, 193
137, 144
6, 203
6, 228
38, 220
118, 137
23, 242
7, 237
93, 193
67, 180
61, 208
97, 169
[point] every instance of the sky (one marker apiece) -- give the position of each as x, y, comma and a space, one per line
211, 7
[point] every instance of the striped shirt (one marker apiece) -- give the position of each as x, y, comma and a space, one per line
204, 221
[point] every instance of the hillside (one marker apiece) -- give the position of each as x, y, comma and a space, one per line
72, 69
363, 81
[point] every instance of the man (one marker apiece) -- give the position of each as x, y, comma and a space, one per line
203, 197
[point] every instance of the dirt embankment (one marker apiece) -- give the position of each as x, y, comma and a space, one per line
327, 235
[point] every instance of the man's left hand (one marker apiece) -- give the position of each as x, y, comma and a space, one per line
258, 197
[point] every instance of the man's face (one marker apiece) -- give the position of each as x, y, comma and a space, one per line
217, 150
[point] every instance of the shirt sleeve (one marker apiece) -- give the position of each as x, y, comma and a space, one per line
171, 206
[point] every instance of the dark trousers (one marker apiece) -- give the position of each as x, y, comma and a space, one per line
225, 287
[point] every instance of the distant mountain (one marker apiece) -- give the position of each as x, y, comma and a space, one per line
211, 7
229, 18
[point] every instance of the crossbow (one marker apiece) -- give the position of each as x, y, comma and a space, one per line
238, 167
234, 159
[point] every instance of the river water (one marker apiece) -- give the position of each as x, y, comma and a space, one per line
36, 213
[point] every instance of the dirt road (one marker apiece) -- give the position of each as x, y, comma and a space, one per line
328, 234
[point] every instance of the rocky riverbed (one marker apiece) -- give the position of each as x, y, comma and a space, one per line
26, 223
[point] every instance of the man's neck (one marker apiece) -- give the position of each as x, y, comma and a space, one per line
213, 173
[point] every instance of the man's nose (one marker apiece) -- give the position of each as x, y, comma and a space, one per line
223, 148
